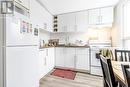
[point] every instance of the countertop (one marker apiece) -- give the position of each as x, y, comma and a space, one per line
75, 46
65, 46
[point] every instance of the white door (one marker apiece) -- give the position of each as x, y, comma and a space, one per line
81, 21
69, 57
59, 58
94, 16
22, 66
106, 15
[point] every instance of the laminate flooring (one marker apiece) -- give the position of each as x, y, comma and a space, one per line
81, 80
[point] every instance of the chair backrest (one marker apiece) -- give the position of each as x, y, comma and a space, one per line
122, 55
108, 74
126, 74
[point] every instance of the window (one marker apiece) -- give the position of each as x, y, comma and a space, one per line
126, 25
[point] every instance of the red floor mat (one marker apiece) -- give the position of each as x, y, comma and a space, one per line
64, 73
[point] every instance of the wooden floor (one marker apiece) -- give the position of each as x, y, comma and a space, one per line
81, 80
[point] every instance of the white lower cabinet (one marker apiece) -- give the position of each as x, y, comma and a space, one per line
69, 55
95, 70
51, 59
73, 58
42, 63
82, 59
82, 62
59, 57
46, 61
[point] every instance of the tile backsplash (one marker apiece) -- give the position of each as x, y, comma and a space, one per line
92, 34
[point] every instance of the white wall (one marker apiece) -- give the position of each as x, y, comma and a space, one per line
39, 16
44, 35
118, 25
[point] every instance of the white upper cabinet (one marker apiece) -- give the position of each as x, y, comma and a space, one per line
61, 23
66, 23
106, 15
71, 20
81, 21
94, 16
25, 3
101, 16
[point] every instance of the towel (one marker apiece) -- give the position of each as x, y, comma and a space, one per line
107, 53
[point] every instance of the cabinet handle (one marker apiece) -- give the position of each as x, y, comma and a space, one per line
100, 19
45, 61
75, 27
75, 60
46, 52
65, 28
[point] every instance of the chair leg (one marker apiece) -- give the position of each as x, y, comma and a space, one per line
120, 85
105, 84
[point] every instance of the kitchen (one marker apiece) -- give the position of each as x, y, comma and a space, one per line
44, 43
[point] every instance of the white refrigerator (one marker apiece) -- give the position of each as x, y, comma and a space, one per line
18, 53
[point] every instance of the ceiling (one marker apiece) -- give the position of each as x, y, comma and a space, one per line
65, 6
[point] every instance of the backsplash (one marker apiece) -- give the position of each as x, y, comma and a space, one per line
92, 34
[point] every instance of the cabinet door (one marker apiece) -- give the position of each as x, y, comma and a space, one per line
50, 58
106, 15
71, 22
42, 63
82, 59
94, 16
82, 62
81, 21
62, 23
66, 22
69, 57
59, 59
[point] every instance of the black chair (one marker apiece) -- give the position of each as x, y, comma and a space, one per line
108, 75
122, 55
126, 74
